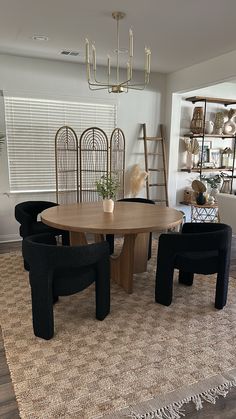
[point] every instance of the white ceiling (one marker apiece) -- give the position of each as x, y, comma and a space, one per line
180, 32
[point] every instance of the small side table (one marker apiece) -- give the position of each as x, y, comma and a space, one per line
204, 213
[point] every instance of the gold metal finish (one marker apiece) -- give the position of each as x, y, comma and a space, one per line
108, 84
66, 162
118, 15
117, 89
93, 162
117, 158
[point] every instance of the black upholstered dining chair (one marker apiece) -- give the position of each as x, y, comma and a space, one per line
26, 213
110, 237
64, 270
202, 248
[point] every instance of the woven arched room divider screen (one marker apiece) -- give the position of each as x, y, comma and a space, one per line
117, 158
66, 159
93, 161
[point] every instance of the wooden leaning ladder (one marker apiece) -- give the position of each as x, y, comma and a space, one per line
160, 154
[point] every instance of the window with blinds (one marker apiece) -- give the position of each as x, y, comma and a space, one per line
31, 125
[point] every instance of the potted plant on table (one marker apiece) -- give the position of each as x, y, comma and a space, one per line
107, 188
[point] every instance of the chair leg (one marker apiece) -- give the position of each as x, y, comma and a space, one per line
26, 266
150, 247
65, 238
42, 310
164, 284
221, 289
102, 289
110, 240
186, 278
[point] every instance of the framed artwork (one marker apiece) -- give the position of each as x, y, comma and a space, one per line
215, 156
206, 148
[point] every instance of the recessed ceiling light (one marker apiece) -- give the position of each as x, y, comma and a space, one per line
40, 38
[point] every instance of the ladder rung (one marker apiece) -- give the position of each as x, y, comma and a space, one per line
157, 184
159, 200
155, 170
153, 138
155, 154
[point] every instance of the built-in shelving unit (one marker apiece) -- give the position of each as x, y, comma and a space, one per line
200, 169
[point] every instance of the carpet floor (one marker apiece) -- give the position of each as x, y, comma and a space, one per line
142, 349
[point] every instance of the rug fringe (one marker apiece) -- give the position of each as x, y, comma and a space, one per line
176, 411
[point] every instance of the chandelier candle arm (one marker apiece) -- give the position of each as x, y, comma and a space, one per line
128, 71
131, 43
118, 86
94, 58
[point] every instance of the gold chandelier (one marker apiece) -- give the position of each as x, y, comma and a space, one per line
116, 86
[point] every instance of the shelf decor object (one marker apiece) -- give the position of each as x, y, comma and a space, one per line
196, 125
66, 161
209, 127
230, 125
116, 85
227, 158
219, 122
192, 148
199, 189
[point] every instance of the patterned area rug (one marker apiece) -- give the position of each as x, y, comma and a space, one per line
142, 349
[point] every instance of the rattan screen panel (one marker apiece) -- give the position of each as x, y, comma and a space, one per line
93, 161
66, 159
117, 158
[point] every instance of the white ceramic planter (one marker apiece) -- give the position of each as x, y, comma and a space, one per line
108, 205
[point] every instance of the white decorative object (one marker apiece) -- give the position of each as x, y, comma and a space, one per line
230, 126
209, 127
108, 205
214, 192
137, 179
211, 200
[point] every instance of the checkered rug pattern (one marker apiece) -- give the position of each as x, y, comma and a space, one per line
142, 349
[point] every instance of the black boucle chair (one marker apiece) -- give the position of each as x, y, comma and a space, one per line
26, 213
64, 270
110, 237
202, 248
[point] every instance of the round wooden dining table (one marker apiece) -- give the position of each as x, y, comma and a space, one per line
132, 220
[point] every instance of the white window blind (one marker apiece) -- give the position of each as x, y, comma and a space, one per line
31, 125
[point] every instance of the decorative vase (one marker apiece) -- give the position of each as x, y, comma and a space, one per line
209, 127
108, 205
189, 160
196, 125
200, 199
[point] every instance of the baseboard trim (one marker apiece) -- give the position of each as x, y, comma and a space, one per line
10, 238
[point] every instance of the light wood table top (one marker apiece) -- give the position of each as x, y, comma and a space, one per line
127, 218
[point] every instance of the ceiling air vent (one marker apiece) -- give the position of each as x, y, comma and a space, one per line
73, 53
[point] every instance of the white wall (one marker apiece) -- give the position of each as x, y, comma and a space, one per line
207, 74
59, 80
